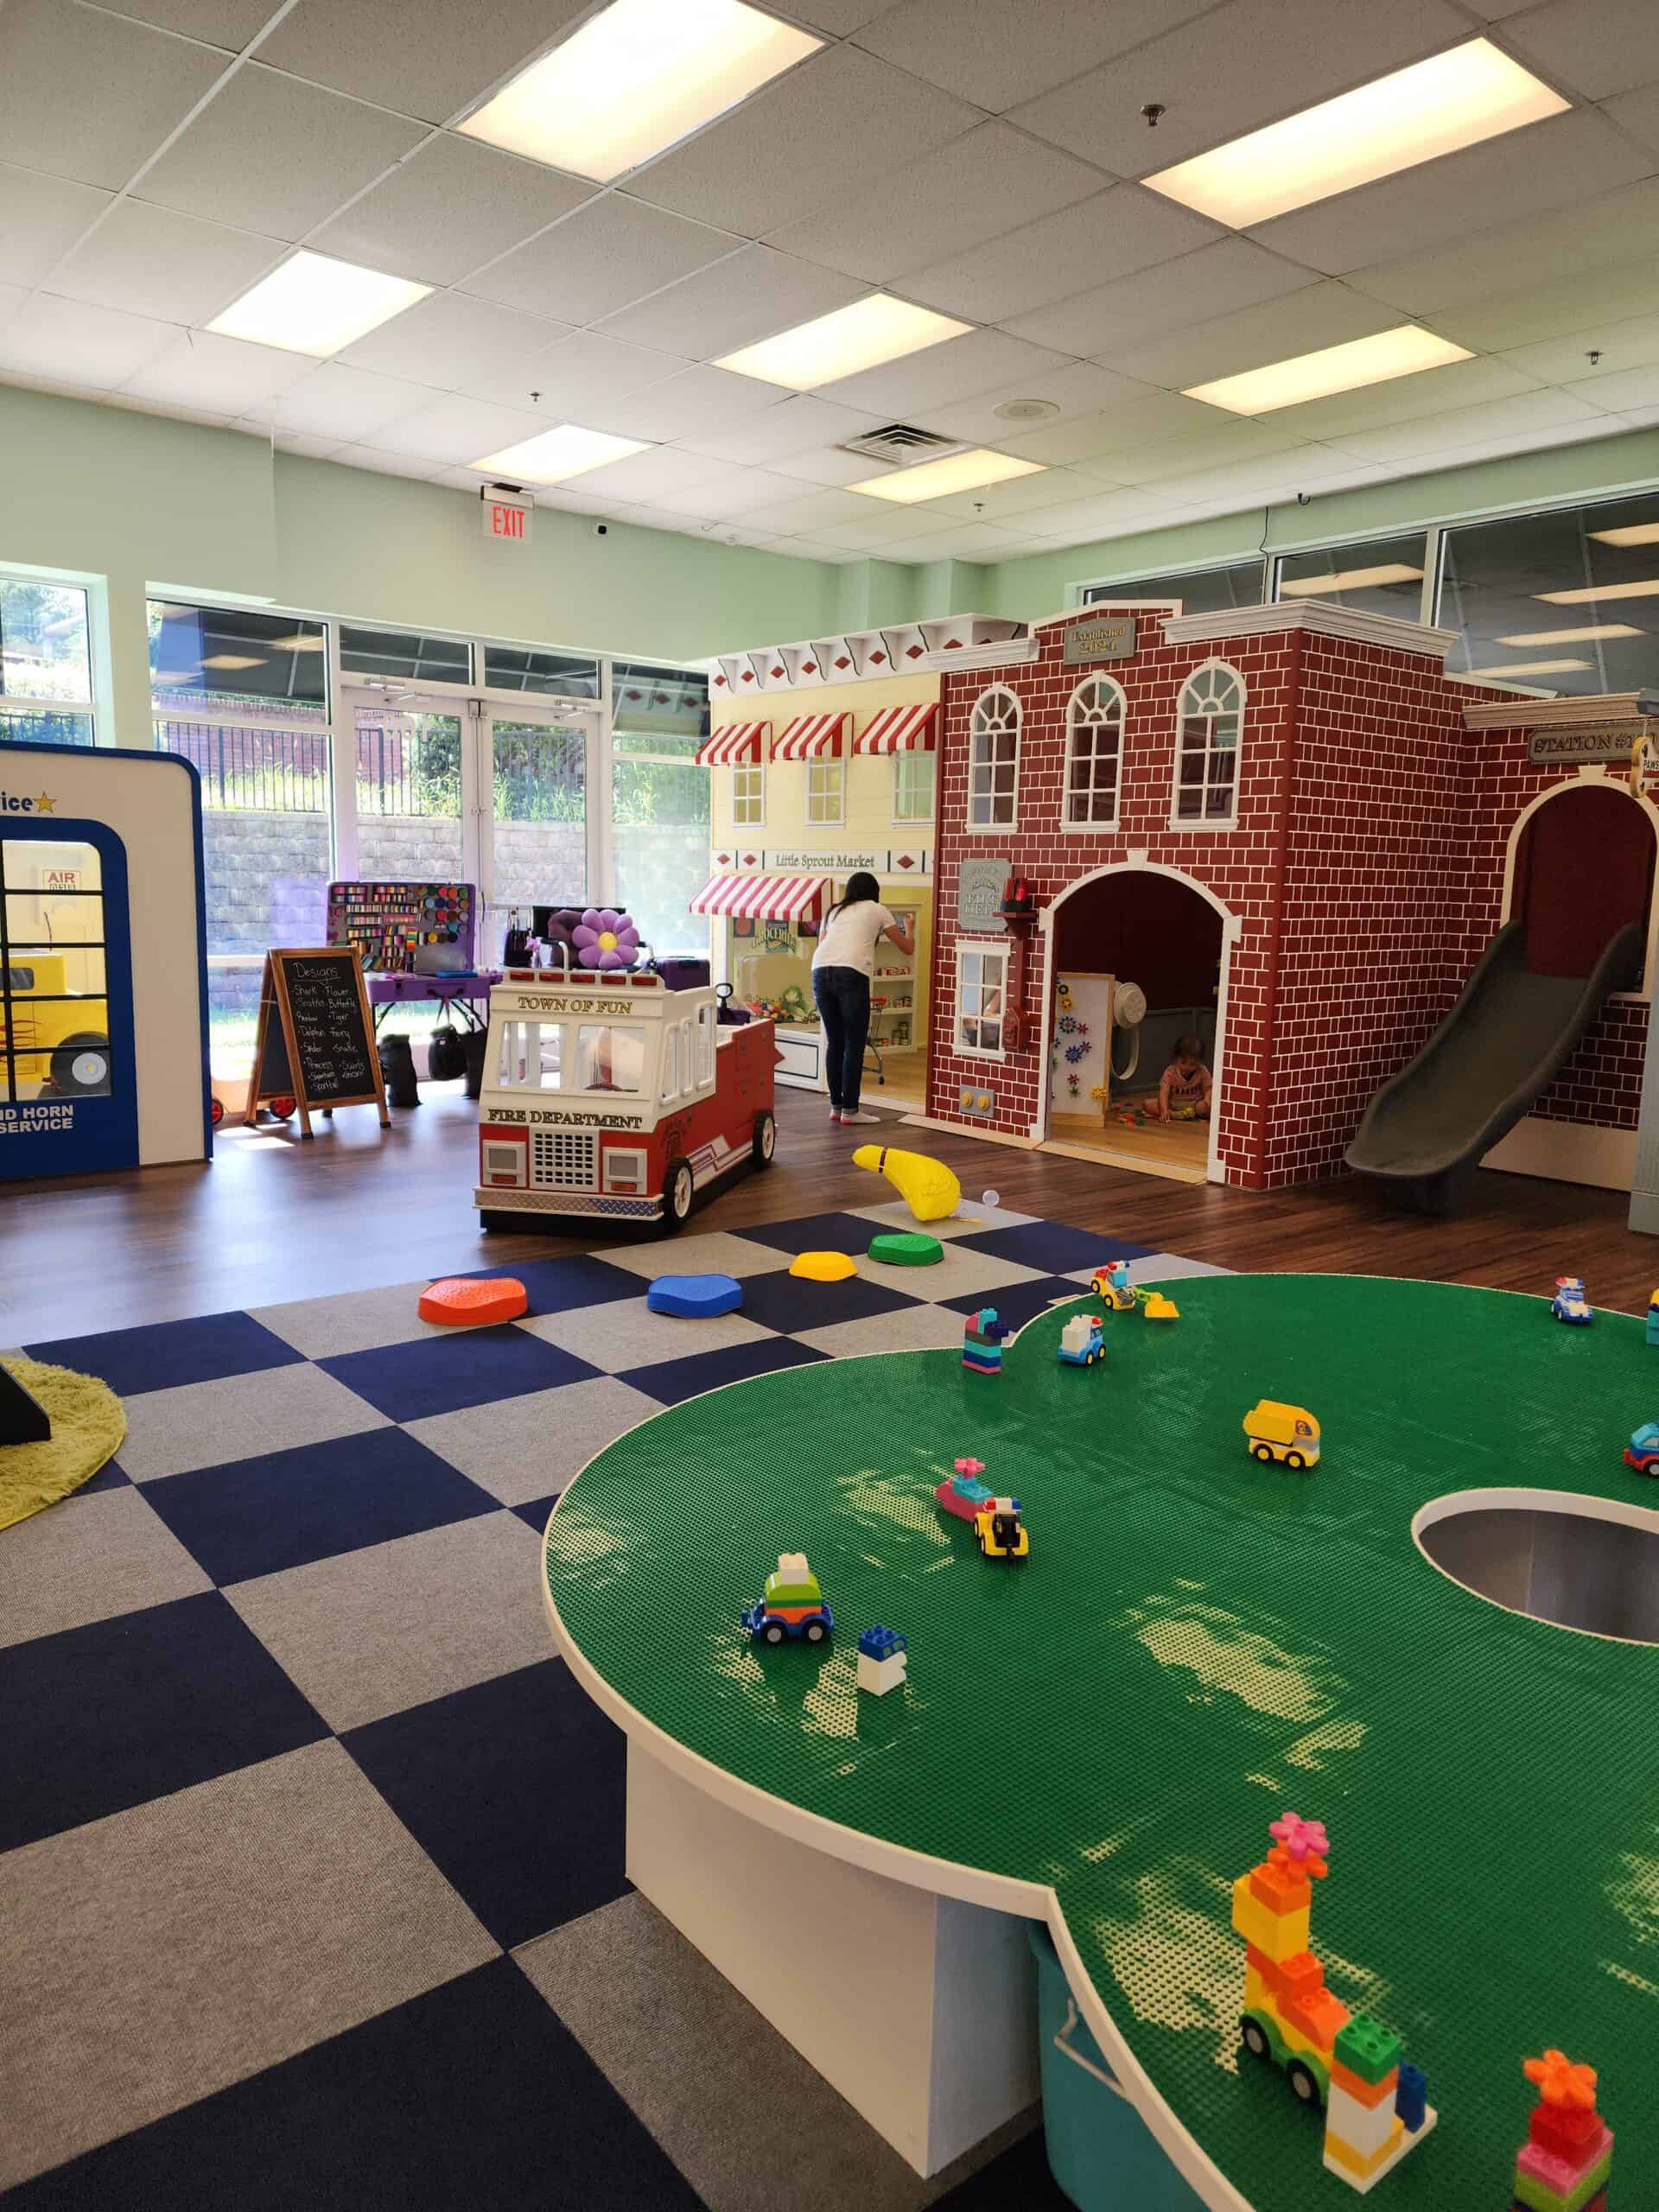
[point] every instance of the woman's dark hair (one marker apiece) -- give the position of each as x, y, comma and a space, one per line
861, 888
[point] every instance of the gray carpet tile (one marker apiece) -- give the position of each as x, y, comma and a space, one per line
912, 1328
352, 1320
1152, 1267
961, 1272
155, 1956
528, 1447
204, 1424
368, 1633
626, 1334
970, 1218
88, 1559
713, 1252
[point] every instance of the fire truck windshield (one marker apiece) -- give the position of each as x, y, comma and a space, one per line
609, 1057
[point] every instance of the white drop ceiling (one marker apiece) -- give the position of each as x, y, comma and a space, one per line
983, 158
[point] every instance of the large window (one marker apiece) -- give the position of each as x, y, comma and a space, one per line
398, 655
245, 695
1210, 721
659, 801
46, 664
1382, 576
993, 760
408, 763
1094, 736
1201, 591
1565, 603
518, 668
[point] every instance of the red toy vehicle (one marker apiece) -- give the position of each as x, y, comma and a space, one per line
610, 1094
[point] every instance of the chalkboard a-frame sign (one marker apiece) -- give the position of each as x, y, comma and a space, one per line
315, 1041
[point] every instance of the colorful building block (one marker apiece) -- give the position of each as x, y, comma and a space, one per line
881, 1660
1653, 1318
1566, 2161
982, 1342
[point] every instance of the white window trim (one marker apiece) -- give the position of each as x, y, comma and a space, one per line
1207, 823
759, 768
992, 691
1003, 951
94, 709
826, 821
1108, 824
899, 760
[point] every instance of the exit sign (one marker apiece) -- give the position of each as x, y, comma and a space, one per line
508, 518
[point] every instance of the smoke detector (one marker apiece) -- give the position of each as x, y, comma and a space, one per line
1025, 410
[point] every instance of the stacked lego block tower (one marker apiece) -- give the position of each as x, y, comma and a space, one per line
1564, 2163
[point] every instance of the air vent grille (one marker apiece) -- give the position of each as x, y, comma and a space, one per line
903, 443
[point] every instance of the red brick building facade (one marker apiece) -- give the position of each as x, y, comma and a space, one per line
1362, 865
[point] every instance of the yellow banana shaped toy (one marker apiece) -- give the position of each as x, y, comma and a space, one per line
927, 1186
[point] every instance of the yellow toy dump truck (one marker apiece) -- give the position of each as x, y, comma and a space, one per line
1288, 1433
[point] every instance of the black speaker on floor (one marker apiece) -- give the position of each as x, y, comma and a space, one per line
473, 1044
23, 1419
397, 1065
445, 1059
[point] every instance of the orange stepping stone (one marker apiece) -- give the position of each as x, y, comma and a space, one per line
457, 1298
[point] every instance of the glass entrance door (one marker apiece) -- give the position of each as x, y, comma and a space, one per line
411, 807
533, 842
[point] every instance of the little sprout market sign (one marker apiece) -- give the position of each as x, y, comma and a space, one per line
893, 863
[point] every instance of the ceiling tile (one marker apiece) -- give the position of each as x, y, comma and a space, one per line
1555, 164
452, 341
1021, 503
1270, 476
1524, 414
89, 346
973, 541
735, 491
573, 376
1613, 227
1302, 322
1638, 113
1232, 273
1085, 440
291, 441
840, 18
697, 398
883, 527
1108, 515
346, 403
86, 95
384, 464
229, 23
1596, 46
807, 549
1114, 233
454, 430
201, 369
960, 368
1241, 66
271, 154
752, 295
612, 252
1565, 433
795, 425
1460, 383
1077, 388
40, 218
148, 261
1539, 311
788, 150
1563, 360
995, 55
812, 510
825, 465
427, 58
1628, 388
648, 476
974, 188
1213, 444
452, 205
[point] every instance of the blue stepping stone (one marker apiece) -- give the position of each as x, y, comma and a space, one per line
694, 1298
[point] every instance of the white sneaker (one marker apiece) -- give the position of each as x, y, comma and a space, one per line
873, 1119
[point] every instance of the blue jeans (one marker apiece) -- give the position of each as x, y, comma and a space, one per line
843, 1000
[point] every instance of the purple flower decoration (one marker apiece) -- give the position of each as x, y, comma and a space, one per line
605, 938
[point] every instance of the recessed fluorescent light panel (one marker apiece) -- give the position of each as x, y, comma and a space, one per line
1571, 637
300, 643
1591, 593
958, 472
1633, 533
1403, 352
633, 80
313, 304
875, 329
1532, 668
1389, 572
1434, 107
234, 660
556, 454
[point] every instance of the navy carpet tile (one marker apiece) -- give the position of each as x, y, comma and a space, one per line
538, 1510
441, 1375
1016, 1303
825, 1232
555, 1286
787, 1303
104, 1717
1053, 1246
674, 1380
165, 1353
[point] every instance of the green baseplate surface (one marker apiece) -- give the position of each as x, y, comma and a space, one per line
1196, 1644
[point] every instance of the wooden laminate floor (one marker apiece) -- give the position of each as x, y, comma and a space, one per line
274, 1218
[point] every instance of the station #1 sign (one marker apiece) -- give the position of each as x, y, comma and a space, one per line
1111, 637
1576, 742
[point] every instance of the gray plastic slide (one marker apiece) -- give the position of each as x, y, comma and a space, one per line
1503, 1043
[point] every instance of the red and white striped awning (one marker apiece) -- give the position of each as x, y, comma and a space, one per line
811, 737
901, 729
764, 898
737, 745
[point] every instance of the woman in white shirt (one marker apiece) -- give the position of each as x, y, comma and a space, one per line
841, 968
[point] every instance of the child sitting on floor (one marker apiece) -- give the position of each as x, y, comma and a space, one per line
1184, 1093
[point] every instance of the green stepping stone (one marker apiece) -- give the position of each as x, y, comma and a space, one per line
904, 1247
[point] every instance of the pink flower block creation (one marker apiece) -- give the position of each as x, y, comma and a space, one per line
1563, 2176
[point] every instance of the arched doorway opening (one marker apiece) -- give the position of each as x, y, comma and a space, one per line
1166, 935
1581, 867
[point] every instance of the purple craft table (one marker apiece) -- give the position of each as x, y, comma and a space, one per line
460, 994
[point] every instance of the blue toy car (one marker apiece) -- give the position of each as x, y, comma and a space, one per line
1082, 1340
1642, 1453
794, 1606
1569, 1303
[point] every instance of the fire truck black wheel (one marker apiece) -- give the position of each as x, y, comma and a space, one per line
766, 1139
678, 1192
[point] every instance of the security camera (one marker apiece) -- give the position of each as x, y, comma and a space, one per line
601, 530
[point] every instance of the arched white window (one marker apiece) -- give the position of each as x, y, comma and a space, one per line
1210, 723
993, 760
1094, 744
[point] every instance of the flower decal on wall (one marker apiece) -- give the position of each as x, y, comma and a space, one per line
1067, 1024
605, 938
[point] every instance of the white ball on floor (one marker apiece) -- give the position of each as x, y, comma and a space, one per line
990, 1198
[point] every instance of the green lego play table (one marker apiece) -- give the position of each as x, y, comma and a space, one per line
1196, 1642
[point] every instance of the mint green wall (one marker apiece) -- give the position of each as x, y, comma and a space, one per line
1040, 585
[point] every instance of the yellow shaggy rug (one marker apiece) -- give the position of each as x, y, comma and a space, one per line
88, 1428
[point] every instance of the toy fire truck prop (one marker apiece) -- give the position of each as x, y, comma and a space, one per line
610, 1094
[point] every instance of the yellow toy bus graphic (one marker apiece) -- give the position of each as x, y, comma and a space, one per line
1276, 1431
